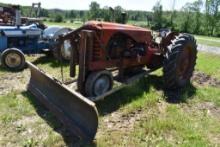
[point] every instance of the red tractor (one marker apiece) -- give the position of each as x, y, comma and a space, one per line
109, 53
128, 49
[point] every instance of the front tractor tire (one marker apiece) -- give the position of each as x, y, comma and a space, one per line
179, 62
98, 83
13, 59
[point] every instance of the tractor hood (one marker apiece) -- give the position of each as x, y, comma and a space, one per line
113, 26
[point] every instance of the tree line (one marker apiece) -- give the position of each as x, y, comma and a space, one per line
199, 17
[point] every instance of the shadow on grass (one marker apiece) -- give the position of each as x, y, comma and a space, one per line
180, 95
50, 60
129, 94
6, 70
3, 69
134, 92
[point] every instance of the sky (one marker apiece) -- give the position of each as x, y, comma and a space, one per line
145, 5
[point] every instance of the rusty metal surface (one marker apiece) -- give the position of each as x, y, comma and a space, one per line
108, 29
77, 113
97, 54
86, 44
7, 15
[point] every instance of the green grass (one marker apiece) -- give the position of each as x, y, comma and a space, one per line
209, 94
20, 124
167, 124
176, 128
210, 41
192, 121
53, 67
2, 72
209, 63
138, 23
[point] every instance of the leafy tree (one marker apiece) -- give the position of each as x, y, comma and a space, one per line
94, 10
212, 15
106, 13
118, 14
72, 14
44, 13
186, 17
149, 19
189, 19
157, 15
196, 8
58, 18
173, 14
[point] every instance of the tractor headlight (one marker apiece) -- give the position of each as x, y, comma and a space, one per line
66, 49
163, 34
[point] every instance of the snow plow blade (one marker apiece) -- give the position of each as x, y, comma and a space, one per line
78, 114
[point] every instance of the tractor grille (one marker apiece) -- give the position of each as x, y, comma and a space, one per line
97, 54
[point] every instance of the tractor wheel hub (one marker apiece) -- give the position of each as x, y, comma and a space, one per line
13, 60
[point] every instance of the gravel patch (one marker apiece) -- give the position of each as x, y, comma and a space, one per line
211, 49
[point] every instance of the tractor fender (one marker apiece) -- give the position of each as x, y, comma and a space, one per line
54, 32
15, 49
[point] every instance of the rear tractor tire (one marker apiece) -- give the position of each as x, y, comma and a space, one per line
13, 59
179, 62
98, 83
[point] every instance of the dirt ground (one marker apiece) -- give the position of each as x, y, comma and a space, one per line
18, 81
203, 79
14, 81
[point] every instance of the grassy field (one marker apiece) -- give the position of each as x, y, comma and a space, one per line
138, 23
139, 115
73, 25
209, 63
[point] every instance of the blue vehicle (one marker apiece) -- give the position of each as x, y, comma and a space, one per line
17, 40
